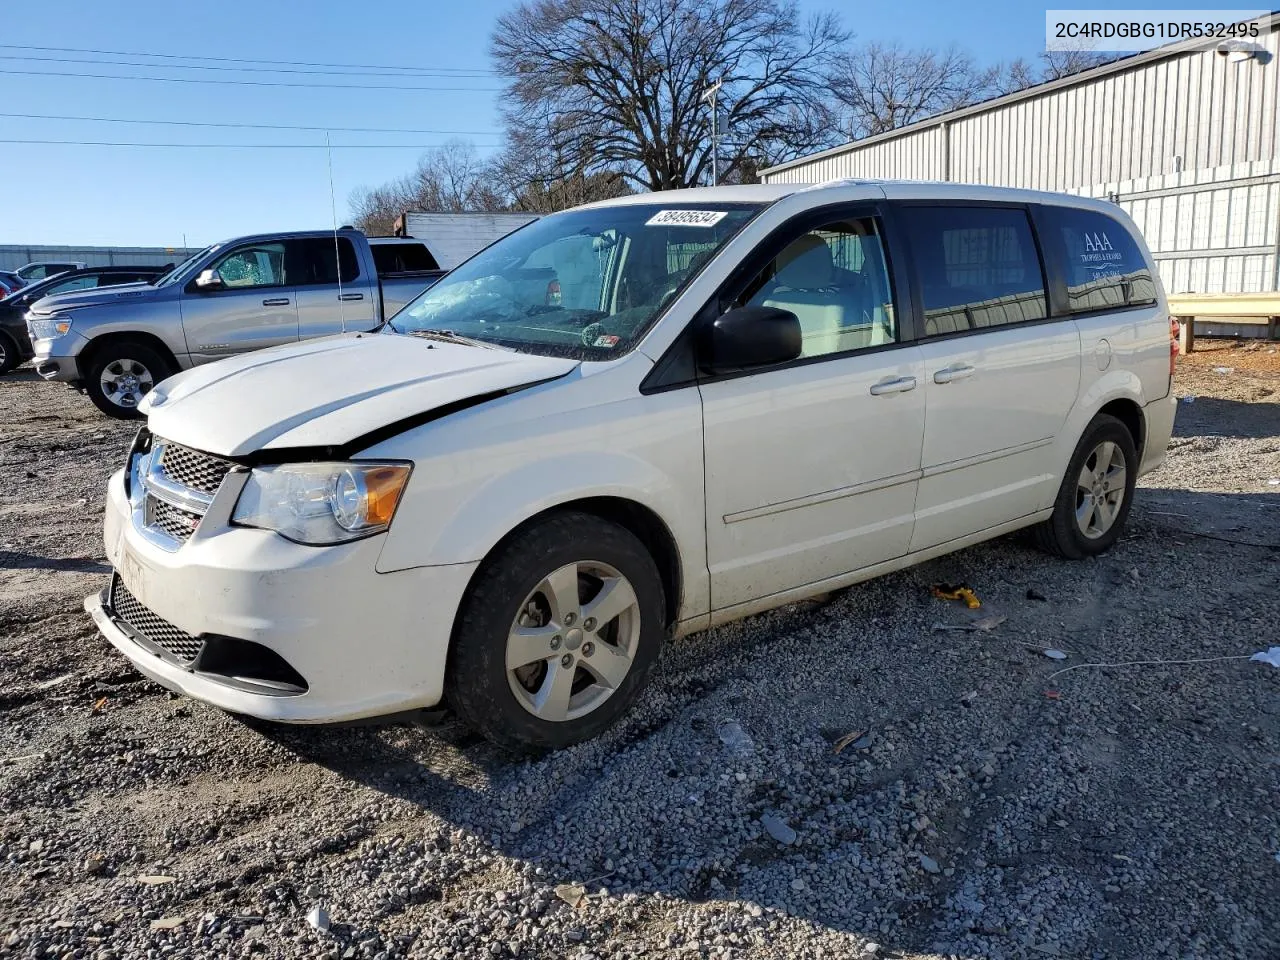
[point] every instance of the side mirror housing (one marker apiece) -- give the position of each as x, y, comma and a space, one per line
748, 337
209, 280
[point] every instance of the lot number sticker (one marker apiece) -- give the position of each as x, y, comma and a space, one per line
685, 218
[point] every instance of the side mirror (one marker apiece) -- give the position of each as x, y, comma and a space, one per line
749, 337
209, 280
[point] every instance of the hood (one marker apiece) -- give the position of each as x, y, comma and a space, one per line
330, 391
92, 297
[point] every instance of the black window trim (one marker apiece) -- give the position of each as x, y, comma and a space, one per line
671, 372
1051, 240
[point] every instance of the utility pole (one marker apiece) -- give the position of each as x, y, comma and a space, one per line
709, 96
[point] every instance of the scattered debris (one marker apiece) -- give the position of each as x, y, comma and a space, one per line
1271, 656
318, 918
956, 591
969, 697
1274, 482
736, 739
167, 923
1224, 369
35, 846
56, 681
1054, 654
155, 879
779, 829
99, 704
859, 740
1052, 695
984, 624
574, 894
1189, 399
1034, 594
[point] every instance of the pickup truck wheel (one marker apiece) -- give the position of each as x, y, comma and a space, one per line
8, 354
557, 634
121, 374
1096, 493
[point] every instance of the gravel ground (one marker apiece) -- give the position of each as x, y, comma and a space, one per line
984, 807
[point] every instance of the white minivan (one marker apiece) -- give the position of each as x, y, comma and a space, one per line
628, 422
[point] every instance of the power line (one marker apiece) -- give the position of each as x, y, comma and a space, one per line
475, 75
244, 83
249, 146
245, 126
288, 63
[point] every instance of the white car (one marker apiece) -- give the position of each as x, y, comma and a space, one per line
722, 401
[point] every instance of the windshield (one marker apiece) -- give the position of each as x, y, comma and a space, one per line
584, 284
177, 273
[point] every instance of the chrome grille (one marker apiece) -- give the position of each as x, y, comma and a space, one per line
179, 645
193, 469
175, 522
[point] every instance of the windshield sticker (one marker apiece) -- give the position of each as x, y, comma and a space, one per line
685, 218
607, 340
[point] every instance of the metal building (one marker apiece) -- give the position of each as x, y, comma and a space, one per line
453, 237
1185, 138
13, 256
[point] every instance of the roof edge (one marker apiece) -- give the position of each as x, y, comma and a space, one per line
1130, 62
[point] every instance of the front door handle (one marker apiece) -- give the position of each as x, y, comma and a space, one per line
276, 302
893, 385
957, 371
351, 296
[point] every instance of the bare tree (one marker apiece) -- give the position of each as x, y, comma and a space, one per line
882, 87
449, 179
1064, 63
1013, 76
617, 84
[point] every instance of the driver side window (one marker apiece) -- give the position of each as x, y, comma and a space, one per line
835, 280
259, 265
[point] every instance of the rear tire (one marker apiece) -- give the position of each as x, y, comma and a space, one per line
530, 666
1096, 493
9, 357
121, 374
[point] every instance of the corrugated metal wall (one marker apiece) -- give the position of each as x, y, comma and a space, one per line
13, 256
1189, 144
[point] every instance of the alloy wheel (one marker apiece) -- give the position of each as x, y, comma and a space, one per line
573, 641
125, 382
1100, 489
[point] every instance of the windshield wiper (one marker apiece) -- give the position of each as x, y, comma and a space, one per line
448, 336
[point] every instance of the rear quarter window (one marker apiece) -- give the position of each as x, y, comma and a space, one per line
1104, 267
402, 258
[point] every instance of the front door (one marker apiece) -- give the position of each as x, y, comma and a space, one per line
325, 305
253, 308
811, 467
1000, 375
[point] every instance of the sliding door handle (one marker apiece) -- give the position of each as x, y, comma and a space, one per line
351, 296
957, 371
893, 385
276, 302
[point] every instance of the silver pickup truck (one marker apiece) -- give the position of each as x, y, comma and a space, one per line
239, 295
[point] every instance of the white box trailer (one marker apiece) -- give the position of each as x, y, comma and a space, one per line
453, 237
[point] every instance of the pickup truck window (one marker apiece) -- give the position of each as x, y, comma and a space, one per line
406, 257
258, 265
311, 261
585, 284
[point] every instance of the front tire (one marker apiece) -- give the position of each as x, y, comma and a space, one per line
1096, 493
9, 356
557, 634
121, 374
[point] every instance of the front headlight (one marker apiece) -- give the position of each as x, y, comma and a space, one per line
47, 328
322, 503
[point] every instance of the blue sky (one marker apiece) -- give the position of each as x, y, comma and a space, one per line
154, 196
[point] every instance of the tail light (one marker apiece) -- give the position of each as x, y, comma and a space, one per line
553, 293
1174, 330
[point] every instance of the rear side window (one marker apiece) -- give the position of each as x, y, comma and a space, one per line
978, 267
73, 284
402, 258
311, 261
1104, 267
